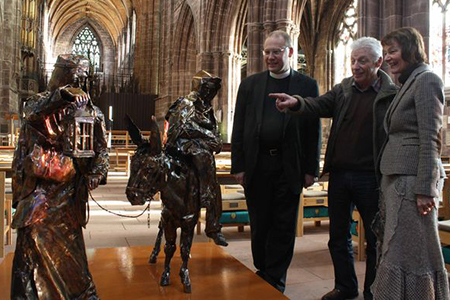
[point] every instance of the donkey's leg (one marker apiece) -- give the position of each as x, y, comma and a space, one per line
186, 238
170, 233
157, 248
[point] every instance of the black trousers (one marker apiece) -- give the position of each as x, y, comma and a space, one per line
346, 189
272, 210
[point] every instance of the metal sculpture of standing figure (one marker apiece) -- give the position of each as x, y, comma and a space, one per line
60, 156
184, 171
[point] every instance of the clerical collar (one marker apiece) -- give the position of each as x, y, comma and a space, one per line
282, 75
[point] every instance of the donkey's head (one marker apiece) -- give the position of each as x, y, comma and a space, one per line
147, 166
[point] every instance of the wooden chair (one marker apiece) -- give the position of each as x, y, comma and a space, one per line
444, 225
360, 236
444, 236
234, 208
6, 211
444, 204
315, 201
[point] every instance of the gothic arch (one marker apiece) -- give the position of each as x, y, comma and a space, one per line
318, 29
65, 42
111, 14
185, 51
224, 32
94, 31
97, 37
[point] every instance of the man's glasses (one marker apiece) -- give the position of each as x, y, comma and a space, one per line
275, 52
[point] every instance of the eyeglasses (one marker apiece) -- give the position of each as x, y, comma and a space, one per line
275, 52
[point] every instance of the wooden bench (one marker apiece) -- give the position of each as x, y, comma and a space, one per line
120, 163
359, 236
315, 201
444, 236
121, 138
234, 208
5, 210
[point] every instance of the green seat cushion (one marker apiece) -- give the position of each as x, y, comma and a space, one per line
234, 217
446, 254
315, 212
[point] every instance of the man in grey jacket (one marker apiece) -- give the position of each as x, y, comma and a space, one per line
358, 106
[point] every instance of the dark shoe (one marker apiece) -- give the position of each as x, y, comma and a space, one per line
368, 296
260, 274
267, 278
339, 295
218, 238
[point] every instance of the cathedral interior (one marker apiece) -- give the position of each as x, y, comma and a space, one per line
154, 47
144, 53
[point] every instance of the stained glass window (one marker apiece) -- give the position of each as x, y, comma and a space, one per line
346, 35
440, 39
87, 44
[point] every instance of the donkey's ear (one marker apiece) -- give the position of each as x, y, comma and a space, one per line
134, 131
155, 136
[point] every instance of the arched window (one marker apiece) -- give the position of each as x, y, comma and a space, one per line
346, 35
86, 44
440, 39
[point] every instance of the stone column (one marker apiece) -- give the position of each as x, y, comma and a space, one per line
369, 18
10, 60
255, 42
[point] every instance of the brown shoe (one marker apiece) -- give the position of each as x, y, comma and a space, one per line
339, 295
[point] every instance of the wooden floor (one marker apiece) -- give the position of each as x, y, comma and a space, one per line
124, 273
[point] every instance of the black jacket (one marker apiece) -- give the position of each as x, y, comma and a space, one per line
334, 104
301, 135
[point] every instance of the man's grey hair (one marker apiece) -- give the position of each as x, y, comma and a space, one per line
282, 34
370, 43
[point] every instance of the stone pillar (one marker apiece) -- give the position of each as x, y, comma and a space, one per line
9, 60
255, 42
369, 18
417, 15
392, 16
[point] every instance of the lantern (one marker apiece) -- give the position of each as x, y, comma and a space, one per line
82, 136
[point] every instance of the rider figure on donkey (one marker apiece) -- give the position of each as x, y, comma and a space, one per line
193, 136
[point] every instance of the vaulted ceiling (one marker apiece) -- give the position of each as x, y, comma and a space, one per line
111, 14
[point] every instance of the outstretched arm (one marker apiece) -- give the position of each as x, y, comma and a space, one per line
317, 106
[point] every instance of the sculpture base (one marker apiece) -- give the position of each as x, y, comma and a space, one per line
124, 273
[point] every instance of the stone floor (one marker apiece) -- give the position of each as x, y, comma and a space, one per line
310, 274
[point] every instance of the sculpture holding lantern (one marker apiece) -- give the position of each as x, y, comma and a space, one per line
60, 156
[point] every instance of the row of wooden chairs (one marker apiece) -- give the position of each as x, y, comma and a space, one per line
122, 139
6, 217
314, 207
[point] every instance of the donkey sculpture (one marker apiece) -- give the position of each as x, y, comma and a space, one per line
153, 170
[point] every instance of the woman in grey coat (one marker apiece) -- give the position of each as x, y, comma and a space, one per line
410, 264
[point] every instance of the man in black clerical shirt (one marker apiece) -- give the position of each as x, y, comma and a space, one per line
358, 106
274, 155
